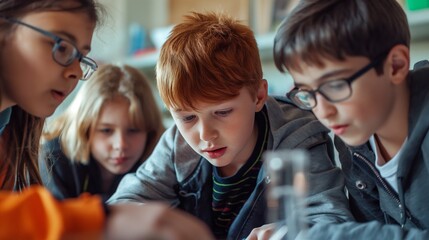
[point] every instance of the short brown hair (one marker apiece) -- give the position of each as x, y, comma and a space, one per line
208, 57
339, 28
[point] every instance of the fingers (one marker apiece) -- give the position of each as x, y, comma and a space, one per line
154, 221
262, 233
185, 226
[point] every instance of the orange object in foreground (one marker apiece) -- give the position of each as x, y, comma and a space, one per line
36, 214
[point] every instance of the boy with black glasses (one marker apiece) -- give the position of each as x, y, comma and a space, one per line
350, 63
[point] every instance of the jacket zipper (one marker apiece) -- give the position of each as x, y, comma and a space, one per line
381, 180
377, 174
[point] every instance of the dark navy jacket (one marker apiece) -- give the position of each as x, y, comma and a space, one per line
67, 179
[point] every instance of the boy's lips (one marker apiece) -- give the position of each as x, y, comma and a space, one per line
339, 129
215, 153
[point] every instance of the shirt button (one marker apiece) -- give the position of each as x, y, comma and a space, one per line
360, 185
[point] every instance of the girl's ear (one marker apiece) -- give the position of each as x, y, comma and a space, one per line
398, 63
261, 95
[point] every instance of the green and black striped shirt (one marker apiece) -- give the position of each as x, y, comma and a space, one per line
230, 193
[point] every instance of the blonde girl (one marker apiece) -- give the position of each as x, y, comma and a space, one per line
109, 129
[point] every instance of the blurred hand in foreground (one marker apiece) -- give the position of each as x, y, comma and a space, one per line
153, 221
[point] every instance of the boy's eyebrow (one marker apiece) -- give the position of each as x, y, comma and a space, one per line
328, 75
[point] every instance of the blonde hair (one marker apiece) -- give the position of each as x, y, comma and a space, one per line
74, 126
208, 57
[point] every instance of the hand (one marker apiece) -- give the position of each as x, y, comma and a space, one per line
262, 233
153, 221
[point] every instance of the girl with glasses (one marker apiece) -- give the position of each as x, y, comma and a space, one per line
44, 44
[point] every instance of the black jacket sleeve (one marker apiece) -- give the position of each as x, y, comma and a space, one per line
59, 174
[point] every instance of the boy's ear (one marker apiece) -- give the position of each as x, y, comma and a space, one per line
398, 62
261, 95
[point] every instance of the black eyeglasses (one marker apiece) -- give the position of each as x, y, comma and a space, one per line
63, 52
333, 91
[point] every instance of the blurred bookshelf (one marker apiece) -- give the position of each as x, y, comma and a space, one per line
148, 60
418, 22
263, 17
111, 43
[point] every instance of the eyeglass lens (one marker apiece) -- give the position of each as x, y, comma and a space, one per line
65, 53
303, 99
336, 90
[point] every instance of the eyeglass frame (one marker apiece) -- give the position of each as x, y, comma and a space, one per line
82, 59
290, 95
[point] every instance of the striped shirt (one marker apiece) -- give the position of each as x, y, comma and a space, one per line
230, 193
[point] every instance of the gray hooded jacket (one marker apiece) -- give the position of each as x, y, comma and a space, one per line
175, 174
381, 212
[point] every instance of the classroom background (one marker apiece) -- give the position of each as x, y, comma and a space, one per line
134, 30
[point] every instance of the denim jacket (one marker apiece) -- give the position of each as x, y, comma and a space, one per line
175, 174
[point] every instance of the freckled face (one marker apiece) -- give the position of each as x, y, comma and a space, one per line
32, 79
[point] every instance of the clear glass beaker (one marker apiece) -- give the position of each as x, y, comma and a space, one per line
287, 189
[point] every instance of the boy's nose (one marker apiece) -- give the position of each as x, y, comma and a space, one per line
207, 132
324, 109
